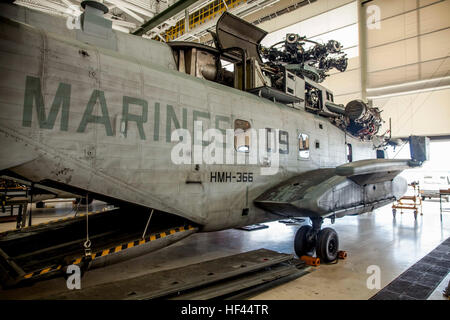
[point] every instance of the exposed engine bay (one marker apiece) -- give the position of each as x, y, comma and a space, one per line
313, 62
288, 72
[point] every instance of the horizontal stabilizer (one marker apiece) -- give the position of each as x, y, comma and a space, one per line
372, 166
352, 188
373, 170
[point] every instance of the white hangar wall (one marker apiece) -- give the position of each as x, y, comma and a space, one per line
410, 46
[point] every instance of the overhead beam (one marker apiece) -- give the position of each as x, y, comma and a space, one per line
362, 46
131, 13
133, 7
163, 16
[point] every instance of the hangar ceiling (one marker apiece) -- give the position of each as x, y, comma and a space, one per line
168, 19
126, 15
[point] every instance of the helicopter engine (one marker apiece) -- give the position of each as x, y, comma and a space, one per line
362, 120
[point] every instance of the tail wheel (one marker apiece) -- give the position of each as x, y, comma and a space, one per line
303, 246
40, 205
327, 247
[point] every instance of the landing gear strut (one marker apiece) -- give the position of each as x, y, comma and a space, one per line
325, 242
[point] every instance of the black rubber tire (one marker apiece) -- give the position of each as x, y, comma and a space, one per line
327, 247
301, 245
40, 205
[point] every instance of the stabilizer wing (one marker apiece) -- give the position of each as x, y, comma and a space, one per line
353, 188
373, 170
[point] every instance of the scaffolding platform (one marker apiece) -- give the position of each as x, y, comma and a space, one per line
409, 202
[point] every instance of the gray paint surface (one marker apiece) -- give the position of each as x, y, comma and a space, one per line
86, 147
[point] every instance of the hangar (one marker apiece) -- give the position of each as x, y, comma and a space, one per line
226, 149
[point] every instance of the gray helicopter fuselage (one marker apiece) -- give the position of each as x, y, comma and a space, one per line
100, 119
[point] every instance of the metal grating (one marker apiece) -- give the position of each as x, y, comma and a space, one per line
201, 16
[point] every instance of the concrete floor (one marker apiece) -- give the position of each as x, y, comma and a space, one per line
370, 239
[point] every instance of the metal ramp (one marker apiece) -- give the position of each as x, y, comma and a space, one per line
230, 277
45, 250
